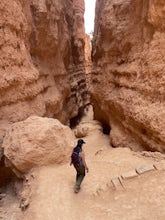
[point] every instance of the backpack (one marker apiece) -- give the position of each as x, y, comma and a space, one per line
75, 158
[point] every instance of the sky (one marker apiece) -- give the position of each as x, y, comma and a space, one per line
89, 15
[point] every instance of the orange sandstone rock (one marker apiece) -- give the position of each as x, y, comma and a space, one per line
88, 61
42, 65
128, 80
37, 141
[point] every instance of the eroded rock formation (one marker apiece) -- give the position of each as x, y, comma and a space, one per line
88, 62
42, 64
128, 80
37, 141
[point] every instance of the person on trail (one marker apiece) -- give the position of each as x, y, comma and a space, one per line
79, 163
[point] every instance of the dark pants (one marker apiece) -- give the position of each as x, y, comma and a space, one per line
79, 176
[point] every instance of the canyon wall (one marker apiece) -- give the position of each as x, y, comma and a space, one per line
88, 61
128, 76
42, 64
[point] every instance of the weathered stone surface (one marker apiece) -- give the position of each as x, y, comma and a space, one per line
160, 165
37, 141
88, 128
128, 80
88, 61
42, 65
81, 132
145, 168
2, 195
129, 174
117, 182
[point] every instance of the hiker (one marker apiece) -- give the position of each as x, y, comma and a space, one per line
78, 160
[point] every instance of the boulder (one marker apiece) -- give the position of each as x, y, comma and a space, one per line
81, 132
86, 128
37, 141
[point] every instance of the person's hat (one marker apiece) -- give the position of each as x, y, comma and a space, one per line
81, 141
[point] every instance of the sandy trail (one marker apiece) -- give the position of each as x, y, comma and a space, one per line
143, 198
53, 197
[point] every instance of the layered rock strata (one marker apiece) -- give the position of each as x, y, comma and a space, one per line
88, 61
128, 80
42, 64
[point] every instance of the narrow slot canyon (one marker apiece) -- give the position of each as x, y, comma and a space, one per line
82, 69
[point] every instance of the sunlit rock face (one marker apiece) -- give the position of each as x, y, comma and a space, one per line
128, 77
42, 65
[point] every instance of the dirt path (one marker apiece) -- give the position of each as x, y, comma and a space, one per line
143, 197
52, 187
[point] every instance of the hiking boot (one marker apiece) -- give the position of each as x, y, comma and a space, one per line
76, 190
